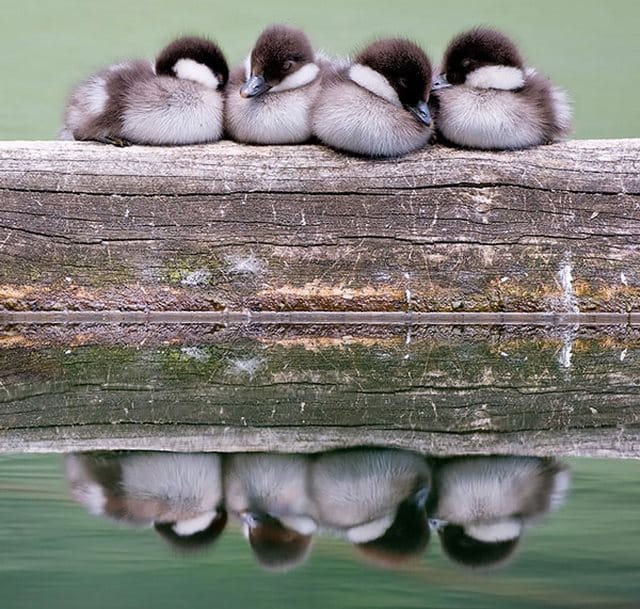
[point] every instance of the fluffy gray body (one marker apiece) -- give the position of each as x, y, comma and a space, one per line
149, 487
488, 489
130, 101
492, 118
351, 118
274, 485
275, 117
357, 492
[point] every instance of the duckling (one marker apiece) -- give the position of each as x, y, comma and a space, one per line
482, 505
488, 99
178, 100
267, 493
375, 498
180, 495
269, 98
377, 107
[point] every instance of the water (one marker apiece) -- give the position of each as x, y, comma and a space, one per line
425, 395
58, 555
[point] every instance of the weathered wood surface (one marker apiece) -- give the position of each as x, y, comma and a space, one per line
229, 227
564, 391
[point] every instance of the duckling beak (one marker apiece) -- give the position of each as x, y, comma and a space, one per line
421, 111
440, 82
256, 85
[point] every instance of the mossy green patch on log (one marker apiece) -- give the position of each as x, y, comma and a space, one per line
554, 392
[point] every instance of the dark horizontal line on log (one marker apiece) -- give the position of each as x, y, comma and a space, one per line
378, 192
320, 317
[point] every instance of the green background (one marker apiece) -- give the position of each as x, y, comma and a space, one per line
55, 555
589, 47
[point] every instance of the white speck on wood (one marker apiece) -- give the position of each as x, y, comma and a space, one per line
569, 301
244, 265
197, 278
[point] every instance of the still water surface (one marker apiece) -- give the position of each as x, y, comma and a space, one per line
578, 547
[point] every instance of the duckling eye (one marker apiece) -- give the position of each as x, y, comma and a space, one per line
466, 63
402, 82
287, 65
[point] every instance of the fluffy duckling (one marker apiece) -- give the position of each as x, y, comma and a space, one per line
267, 493
377, 107
178, 100
179, 494
482, 505
376, 499
488, 99
269, 98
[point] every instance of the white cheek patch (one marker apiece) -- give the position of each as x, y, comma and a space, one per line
505, 78
369, 531
300, 524
504, 530
184, 528
375, 82
306, 74
189, 69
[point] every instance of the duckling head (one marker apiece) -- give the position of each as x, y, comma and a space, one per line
482, 58
396, 70
277, 547
194, 58
193, 534
481, 545
281, 59
402, 538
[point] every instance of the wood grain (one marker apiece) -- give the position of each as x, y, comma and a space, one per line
86, 227
443, 390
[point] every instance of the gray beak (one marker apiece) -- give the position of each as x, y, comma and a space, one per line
250, 519
435, 524
440, 82
256, 85
421, 111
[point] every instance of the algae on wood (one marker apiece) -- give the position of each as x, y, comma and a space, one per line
440, 390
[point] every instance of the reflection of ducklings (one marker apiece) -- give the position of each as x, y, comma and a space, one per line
179, 494
177, 100
376, 499
482, 505
268, 494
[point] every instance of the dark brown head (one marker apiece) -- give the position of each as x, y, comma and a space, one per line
405, 67
194, 58
479, 48
281, 59
192, 536
486, 547
406, 538
276, 547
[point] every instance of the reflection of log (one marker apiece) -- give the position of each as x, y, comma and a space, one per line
88, 227
445, 391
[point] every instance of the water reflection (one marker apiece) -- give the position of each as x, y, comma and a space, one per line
385, 503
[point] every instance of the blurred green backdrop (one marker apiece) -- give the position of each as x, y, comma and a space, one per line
57, 556
589, 47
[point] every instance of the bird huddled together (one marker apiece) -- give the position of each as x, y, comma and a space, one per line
384, 101
386, 503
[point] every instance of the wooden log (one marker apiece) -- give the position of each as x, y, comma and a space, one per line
227, 227
443, 390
